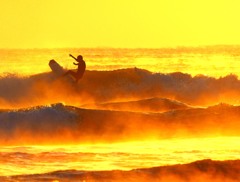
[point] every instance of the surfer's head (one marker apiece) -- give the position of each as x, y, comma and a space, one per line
79, 58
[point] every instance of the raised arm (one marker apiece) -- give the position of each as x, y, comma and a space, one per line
72, 56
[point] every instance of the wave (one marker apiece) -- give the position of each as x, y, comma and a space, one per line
142, 105
58, 123
117, 85
204, 170
36, 123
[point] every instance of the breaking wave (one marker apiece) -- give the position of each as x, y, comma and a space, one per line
58, 123
118, 86
117, 105
143, 105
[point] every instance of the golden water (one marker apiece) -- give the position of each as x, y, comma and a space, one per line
125, 156
211, 61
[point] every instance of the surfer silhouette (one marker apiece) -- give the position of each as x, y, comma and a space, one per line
80, 70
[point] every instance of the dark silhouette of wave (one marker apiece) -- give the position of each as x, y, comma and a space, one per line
144, 105
204, 170
117, 85
58, 123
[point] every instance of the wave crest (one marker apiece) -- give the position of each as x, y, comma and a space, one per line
118, 85
67, 124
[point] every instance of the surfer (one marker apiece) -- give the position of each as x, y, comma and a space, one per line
80, 70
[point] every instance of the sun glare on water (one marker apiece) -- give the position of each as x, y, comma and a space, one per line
125, 156
158, 75
214, 61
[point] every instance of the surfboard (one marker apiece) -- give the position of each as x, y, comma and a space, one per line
56, 68
59, 71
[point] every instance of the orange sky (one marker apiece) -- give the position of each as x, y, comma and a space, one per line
118, 23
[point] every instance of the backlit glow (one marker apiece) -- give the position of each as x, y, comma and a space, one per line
125, 23
114, 156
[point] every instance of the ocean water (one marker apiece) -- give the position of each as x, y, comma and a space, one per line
18, 160
213, 61
175, 109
